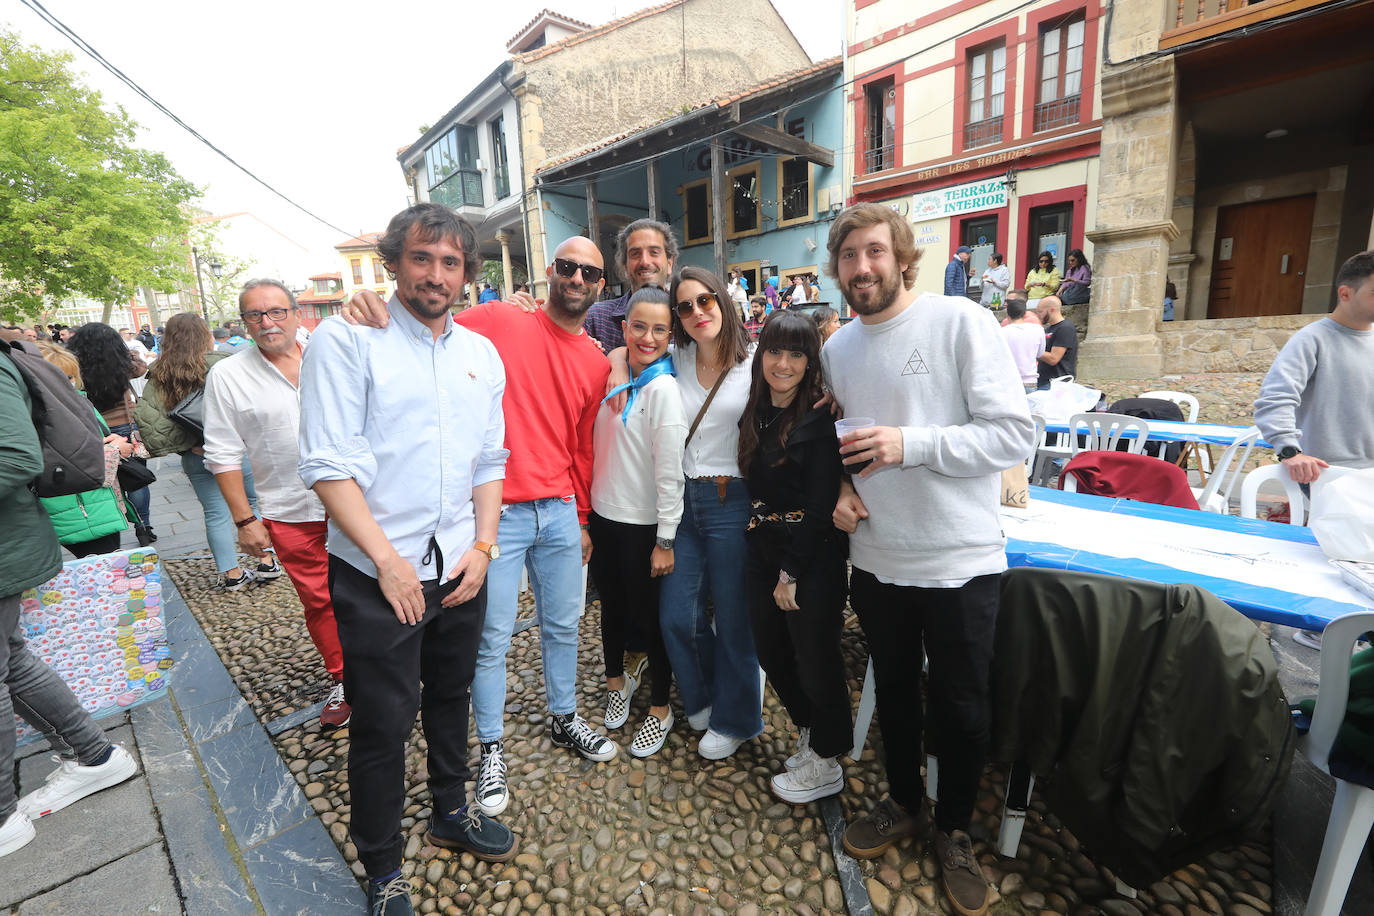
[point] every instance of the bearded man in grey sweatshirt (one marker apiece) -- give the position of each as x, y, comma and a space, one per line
925, 533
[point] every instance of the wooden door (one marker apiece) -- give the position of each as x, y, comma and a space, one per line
1259, 261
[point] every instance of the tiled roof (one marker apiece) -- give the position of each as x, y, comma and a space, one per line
361, 240
539, 15
614, 24
334, 276
775, 82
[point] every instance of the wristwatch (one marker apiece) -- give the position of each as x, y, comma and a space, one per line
1289, 451
245, 522
491, 550
664, 543
786, 578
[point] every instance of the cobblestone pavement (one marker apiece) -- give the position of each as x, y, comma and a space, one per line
674, 834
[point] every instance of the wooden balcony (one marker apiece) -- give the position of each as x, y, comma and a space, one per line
1188, 21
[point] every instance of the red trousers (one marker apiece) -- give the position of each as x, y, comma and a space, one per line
300, 548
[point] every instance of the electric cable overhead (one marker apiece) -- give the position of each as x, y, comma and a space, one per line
63, 29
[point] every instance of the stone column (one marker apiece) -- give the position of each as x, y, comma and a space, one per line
1134, 222
504, 238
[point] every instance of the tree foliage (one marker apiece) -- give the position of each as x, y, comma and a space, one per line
83, 211
221, 293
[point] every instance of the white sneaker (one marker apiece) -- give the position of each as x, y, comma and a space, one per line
819, 777
71, 782
651, 734
715, 746
492, 795
700, 721
1309, 638
15, 832
618, 704
804, 752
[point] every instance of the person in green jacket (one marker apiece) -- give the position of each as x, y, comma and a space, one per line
90, 522
30, 556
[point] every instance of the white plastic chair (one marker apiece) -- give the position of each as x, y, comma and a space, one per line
1186, 402
1352, 810
1298, 504
1216, 495
1102, 432
1040, 436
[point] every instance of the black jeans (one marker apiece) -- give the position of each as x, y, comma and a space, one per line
955, 627
386, 665
800, 650
107, 543
629, 599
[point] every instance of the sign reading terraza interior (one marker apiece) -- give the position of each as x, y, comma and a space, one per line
963, 198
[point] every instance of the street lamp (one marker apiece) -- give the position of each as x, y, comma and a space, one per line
216, 268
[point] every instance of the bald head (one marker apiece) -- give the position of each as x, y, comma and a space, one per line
571, 290
1050, 310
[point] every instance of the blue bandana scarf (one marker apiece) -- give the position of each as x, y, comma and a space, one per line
661, 366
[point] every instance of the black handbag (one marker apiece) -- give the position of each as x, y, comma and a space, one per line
134, 474
190, 412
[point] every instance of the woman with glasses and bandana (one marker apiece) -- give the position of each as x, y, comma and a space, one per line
1044, 278
636, 506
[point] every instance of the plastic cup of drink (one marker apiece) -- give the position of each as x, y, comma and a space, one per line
847, 427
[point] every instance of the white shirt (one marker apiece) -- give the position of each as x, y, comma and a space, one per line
1026, 342
637, 474
417, 422
714, 450
800, 294
252, 409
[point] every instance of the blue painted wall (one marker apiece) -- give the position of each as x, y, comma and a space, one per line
624, 192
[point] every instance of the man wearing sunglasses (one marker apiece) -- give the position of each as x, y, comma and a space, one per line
645, 253
252, 408
555, 380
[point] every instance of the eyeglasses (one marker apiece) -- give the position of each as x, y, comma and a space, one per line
565, 269
640, 329
256, 317
703, 301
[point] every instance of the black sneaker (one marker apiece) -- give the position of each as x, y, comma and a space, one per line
472, 831
390, 899
571, 731
271, 570
245, 578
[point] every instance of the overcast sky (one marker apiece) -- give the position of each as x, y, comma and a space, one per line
315, 97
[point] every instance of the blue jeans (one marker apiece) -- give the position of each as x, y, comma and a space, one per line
717, 669
219, 526
142, 499
544, 536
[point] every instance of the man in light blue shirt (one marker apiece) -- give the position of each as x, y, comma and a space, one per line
402, 439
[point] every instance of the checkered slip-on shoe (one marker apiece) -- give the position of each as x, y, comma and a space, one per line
652, 732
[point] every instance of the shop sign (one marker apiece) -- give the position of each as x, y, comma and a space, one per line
964, 198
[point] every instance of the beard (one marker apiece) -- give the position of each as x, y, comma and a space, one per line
426, 307
875, 298
568, 299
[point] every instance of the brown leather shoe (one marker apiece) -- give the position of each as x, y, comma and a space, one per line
888, 822
962, 876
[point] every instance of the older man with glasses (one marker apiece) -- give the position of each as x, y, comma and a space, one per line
252, 408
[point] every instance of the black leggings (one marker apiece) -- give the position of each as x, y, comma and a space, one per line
629, 595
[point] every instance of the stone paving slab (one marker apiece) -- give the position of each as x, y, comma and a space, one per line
142, 882
257, 794
73, 842
210, 879
299, 871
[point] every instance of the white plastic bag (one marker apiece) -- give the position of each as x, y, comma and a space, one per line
1342, 517
1064, 398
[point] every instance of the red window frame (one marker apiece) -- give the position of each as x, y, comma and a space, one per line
1076, 195
1040, 21
966, 48
860, 99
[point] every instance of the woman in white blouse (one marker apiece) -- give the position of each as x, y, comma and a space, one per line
716, 669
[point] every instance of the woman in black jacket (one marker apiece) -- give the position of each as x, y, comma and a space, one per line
796, 570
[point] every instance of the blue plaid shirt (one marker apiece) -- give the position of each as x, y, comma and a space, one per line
603, 322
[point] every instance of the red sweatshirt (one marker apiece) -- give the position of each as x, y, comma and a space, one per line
554, 384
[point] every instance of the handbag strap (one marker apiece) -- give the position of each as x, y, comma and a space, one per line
707, 403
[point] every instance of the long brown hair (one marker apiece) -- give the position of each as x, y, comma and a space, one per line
732, 344
784, 330
180, 369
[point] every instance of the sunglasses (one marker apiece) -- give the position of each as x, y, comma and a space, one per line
704, 301
565, 269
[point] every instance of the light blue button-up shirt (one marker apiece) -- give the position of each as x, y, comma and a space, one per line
415, 421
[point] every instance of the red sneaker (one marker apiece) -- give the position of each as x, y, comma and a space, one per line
336, 712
